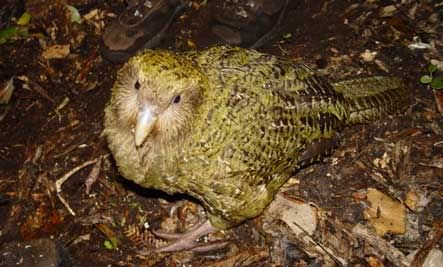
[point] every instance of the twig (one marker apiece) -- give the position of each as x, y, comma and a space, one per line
339, 261
62, 200
41, 91
378, 177
93, 175
381, 246
64, 178
59, 182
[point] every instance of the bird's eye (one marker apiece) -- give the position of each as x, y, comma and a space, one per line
176, 99
137, 85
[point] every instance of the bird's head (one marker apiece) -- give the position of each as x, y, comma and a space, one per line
157, 94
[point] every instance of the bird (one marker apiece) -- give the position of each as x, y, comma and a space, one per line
229, 126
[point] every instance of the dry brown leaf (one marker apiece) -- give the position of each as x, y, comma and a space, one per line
385, 214
56, 51
374, 262
412, 199
109, 233
299, 216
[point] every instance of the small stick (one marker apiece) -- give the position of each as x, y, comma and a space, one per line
64, 202
64, 178
93, 175
41, 91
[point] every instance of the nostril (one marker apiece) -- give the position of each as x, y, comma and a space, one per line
137, 85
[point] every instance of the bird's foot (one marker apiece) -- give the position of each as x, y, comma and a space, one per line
187, 240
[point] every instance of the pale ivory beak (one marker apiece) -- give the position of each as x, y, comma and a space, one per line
145, 121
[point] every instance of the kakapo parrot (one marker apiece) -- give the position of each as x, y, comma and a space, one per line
229, 126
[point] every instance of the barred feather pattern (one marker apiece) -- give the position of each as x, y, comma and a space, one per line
260, 118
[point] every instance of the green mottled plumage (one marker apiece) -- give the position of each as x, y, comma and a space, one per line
245, 122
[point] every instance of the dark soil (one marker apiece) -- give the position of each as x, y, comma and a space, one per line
41, 140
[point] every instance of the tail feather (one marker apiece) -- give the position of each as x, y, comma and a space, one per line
372, 98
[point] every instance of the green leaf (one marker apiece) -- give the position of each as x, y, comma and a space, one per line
24, 19
287, 35
108, 244
437, 83
22, 32
432, 68
75, 15
425, 79
12, 32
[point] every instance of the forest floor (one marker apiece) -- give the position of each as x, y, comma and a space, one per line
376, 201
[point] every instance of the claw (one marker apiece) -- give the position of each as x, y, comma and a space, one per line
187, 240
199, 229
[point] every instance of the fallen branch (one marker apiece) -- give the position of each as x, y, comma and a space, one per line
381, 246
